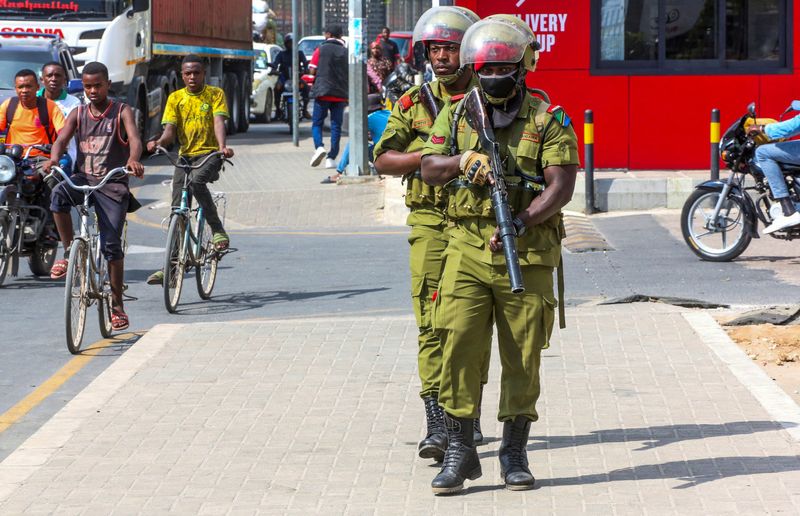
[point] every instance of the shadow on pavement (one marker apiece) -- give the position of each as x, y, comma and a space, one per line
29, 283
244, 301
692, 472
651, 437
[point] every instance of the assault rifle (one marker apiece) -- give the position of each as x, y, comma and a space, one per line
428, 100
478, 118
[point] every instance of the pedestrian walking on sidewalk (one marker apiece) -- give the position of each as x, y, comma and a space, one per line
539, 146
329, 65
398, 153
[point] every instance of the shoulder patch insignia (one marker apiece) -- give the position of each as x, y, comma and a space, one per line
405, 102
456, 98
437, 140
560, 115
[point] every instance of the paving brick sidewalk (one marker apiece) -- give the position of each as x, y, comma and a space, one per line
272, 185
639, 416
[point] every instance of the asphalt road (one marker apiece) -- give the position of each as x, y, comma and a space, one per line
328, 272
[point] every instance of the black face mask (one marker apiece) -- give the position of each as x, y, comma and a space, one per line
498, 87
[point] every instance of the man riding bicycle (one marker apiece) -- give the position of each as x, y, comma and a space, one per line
196, 114
107, 139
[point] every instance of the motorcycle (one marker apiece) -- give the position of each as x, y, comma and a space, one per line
397, 83
720, 218
23, 215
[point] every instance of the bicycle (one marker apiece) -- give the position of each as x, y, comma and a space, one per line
189, 244
87, 280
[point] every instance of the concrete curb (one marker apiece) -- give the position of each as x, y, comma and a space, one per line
611, 194
775, 401
52, 436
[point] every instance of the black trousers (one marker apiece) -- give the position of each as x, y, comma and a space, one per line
198, 188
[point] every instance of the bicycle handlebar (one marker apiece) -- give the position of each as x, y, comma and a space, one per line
161, 151
87, 188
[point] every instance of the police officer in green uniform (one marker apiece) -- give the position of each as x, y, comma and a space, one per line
397, 153
538, 147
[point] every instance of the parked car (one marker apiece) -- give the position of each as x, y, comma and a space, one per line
403, 39
310, 43
262, 100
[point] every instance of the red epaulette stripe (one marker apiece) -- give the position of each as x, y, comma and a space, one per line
406, 102
456, 98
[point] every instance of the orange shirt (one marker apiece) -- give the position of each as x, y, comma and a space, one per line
27, 129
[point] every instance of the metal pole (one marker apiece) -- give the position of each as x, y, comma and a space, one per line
588, 142
357, 90
715, 144
295, 77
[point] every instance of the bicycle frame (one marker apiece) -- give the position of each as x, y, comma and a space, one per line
191, 242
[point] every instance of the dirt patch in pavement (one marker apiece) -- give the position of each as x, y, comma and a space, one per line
776, 349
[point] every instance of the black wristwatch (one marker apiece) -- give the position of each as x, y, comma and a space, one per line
519, 226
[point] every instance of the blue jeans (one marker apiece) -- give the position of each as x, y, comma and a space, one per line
321, 108
342, 166
767, 158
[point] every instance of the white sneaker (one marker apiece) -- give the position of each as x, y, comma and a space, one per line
318, 156
783, 222
329, 163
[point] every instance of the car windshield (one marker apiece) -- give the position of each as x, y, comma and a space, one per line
12, 61
262, 60
402, 45
308, 46
62, 10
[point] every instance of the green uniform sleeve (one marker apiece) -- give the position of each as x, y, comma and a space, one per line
560, 146
399, 133
220, 106
439, 138
171, 110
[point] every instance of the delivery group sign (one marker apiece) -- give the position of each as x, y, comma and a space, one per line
561, 27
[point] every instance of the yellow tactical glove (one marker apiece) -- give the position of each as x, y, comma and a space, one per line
475, 166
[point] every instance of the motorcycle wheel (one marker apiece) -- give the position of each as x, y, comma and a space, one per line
719, 244
5, 247
42, 259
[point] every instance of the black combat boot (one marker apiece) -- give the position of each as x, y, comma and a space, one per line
435, 443
513, 455
461, 459
477, 435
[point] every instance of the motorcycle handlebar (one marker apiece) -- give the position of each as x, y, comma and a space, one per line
44, 148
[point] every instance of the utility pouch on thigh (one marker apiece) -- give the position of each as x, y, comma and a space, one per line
465, 200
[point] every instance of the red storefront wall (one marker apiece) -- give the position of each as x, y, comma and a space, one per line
642, 122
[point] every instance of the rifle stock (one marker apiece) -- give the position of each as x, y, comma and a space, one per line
479, 119
428, 100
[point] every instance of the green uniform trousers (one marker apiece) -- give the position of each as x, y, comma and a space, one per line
425, 259
473, 294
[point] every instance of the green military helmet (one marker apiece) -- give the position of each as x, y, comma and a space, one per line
532, 54
493, 41
445, 23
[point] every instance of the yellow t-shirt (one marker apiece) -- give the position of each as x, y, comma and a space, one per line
193, 116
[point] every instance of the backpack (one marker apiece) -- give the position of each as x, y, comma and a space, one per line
44, 115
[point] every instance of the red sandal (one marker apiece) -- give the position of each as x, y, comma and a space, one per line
59, 269
119, 321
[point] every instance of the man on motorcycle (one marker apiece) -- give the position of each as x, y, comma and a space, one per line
398, 153
54, 83
283, 64
769, 156
31, 120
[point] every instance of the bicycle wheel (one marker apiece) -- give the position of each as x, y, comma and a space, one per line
174, 262
76, 295
104, 287
6, 244
207, 262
